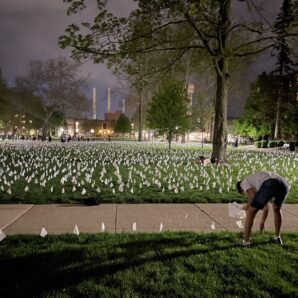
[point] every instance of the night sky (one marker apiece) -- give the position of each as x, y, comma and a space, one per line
29, 30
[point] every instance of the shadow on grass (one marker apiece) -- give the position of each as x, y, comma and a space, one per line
67, 266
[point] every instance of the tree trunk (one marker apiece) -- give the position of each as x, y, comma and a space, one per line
45, 124
140, 116
220, 124
222, 84
277, 117
169, 137
44, 128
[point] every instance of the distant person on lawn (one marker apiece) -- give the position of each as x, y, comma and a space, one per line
260, 188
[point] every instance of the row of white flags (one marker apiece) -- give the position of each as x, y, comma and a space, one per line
235, 211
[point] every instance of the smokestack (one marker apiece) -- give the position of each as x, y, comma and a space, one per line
109, 100
123, 105
94, 103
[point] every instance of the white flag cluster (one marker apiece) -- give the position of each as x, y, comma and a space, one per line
115, 168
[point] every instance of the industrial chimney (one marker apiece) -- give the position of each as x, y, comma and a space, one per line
123, 105
94, 103
109, 100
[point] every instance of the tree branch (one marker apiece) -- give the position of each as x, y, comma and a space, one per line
200, 33
254, 51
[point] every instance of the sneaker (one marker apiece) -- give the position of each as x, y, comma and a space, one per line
278, 240
245, 244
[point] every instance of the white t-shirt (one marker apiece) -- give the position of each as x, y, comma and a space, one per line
256, 180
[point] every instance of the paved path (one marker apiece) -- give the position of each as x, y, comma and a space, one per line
60, 218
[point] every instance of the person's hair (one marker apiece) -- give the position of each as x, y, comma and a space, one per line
240, 190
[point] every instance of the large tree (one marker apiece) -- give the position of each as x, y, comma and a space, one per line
57, 83
260, 108
20, 110
206, 26
285, 55
167, 113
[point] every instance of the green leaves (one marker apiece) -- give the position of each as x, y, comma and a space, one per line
122, 125
168, 110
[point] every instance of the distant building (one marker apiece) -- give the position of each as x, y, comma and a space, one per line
82, 127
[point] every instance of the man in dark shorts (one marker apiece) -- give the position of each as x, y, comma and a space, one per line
260, 188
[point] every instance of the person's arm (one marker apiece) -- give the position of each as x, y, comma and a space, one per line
251, 192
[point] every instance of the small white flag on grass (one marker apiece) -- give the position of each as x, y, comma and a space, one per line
76, 230
43, 232
212, 226
160, 227
2, 235
103, 227
134, 226
239, 224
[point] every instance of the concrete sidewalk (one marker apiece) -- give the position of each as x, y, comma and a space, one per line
60, 218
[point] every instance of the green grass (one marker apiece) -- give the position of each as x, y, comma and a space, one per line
148, 265
148, 173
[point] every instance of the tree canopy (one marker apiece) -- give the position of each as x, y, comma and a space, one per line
122, 125
175, 28
167, 113
57, 84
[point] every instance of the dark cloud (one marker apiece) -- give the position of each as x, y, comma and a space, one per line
29, 30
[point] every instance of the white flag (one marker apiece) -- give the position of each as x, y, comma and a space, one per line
160, 227
239, 224
76, 230
235, 210
103, 227
2, 235
212, 226
134, 226
242, 214
43, 232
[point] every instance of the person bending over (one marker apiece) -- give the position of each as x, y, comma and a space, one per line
260, 188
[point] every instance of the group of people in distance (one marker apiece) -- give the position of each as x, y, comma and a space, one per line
260, 188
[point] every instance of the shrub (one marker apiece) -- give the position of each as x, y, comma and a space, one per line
272, 144
258, 144
264, 144
280, 143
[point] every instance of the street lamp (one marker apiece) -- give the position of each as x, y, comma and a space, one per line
202, 140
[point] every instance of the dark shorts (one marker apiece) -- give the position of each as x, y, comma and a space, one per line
271, 188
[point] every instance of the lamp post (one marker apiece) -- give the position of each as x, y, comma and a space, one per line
202, 140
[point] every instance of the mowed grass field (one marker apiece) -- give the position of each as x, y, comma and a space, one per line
148, 265
35, 172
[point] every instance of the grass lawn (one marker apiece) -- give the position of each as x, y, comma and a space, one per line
33, 172
148, 265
